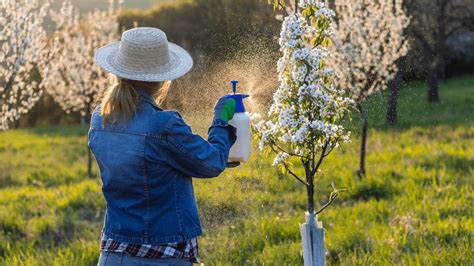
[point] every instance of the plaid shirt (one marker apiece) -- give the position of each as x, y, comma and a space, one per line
187, 250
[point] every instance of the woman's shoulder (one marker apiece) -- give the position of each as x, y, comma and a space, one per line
165, 117
166, 121
96, 118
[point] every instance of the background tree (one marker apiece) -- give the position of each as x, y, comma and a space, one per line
305, 119
368, 40
434, 23
394, 87
69, 73
22, 38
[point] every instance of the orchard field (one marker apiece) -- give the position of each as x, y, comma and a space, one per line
413, 208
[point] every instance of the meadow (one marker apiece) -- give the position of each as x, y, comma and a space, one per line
414, 207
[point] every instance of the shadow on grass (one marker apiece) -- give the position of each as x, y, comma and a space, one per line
372, 188
459, 164
456, 106
355, 242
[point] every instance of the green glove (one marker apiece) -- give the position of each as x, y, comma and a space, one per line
224, 109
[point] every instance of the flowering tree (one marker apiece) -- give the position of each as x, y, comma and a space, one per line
368, 40
22, 38
69, 73
306, 117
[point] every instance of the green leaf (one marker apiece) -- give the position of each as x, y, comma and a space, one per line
282, 169
327, 42
306, 12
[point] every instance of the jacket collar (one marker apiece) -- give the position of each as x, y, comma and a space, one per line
146, 97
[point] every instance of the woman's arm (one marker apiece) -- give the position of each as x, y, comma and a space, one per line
192, 155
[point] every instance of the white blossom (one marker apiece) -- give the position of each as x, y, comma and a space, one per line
69, 73
280, 157
368, 40
321, 9
22, 38
307, 111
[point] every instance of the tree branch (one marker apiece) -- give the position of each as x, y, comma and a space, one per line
333, 196
455, 29
421, 39
315, 169
9, 84
283, 7
332, 147
290, 153
294, 175
462, 9
287, 167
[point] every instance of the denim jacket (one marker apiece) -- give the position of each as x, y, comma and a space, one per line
146, 166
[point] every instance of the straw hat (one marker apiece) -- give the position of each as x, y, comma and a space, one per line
144, 54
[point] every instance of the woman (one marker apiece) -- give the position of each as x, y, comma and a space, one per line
147, 155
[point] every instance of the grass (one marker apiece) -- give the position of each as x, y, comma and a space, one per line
414, 207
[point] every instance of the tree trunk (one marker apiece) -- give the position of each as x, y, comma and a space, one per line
312, 232
85, 120
16, 124
89, 154
363, 143
89, 163
432, 78
442, 70
391, 118
310, 187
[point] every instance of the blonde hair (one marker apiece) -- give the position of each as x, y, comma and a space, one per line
120, 100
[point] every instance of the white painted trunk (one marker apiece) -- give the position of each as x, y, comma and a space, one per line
312, 234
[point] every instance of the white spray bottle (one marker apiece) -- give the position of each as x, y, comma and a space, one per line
240, 151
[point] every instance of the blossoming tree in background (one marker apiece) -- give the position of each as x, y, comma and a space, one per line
22, 38
368, 40
435, 25
69, 73
305, 121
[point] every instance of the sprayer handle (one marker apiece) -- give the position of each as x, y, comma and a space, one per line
232, 164
234, 85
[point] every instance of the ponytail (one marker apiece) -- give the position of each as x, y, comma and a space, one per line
119, 102
162, 94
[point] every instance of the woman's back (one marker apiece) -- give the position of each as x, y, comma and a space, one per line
146, 166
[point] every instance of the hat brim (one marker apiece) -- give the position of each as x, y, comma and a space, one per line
179, 64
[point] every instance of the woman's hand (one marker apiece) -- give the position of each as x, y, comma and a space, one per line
224, 109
